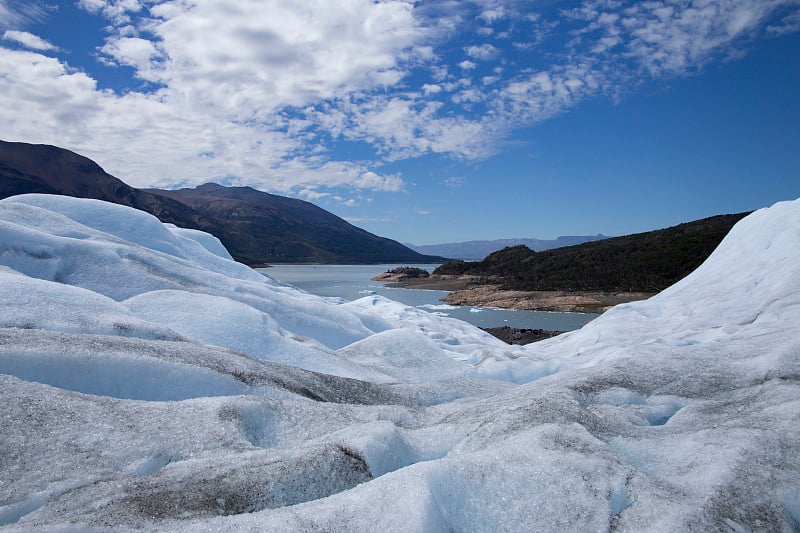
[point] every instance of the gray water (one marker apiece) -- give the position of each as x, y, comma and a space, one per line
353, 281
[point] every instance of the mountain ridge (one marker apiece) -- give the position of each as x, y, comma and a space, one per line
308, 230
256, 227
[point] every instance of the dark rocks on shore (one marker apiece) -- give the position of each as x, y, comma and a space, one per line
521, 336
410, 272
401, 274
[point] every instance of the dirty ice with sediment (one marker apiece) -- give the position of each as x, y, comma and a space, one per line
149, 382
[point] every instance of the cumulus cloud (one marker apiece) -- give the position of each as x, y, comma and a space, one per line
118, 11
372, 181
136, 52
268, 54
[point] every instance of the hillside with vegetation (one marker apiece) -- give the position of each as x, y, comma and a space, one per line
643, 262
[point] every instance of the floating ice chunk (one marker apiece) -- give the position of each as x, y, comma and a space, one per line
437, 307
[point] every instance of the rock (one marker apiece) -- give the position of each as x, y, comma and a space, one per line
521, 336
402, 274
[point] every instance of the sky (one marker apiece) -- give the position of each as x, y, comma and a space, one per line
428, 121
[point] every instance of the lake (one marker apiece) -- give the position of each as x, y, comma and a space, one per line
353, 281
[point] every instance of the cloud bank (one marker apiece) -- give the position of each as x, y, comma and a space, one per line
266, 92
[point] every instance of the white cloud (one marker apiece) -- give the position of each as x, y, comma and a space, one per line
254, 90
262, 55
361, 220
482, 52
312, 195
403, 128
118, 11
134, 52
453, 182
28, 40
673, 38
789, 24
372, 181
494, 14
221, 90
15, 13
468, 96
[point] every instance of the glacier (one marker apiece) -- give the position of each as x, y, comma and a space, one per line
149, 382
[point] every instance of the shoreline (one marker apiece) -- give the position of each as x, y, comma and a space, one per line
470, 291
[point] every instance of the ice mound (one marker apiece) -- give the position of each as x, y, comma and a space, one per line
151, 383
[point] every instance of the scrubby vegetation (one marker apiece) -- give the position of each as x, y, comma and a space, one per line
643, 262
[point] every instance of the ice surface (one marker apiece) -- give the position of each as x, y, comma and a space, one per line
220, 321
151, 383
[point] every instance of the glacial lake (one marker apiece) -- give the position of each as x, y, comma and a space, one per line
351, 282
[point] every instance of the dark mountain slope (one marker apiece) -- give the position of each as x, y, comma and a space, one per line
643, 262
265, 228
255, 227
37, 168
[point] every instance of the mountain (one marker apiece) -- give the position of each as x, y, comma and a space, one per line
256, 227
642, 262
149, 383
38, 168
476, 250
265, 228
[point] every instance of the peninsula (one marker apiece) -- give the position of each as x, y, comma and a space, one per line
586, 278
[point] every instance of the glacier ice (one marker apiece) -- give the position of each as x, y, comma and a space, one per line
151, 383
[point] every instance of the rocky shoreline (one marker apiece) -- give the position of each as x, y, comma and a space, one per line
472, 291
554, 301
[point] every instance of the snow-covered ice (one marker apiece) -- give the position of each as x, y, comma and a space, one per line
149, 382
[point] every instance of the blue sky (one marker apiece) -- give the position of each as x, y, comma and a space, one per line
428, 121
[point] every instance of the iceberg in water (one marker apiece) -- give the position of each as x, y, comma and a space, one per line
149, 382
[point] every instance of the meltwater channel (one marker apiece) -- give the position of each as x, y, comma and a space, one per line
353, 281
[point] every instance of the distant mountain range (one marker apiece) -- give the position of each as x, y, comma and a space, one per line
476, 250
257, 228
